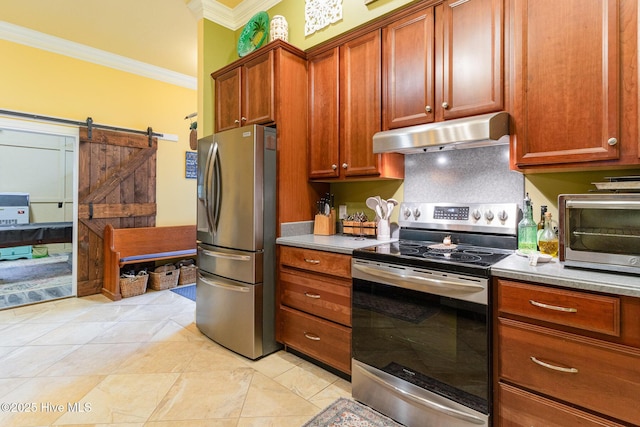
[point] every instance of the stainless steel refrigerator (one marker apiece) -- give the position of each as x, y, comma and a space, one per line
235, 288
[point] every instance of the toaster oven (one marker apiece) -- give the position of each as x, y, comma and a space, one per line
600, 231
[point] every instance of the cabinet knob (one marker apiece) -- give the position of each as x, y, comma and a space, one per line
334, 166
427, 108
244, 119
344, 166
236, 121
445, 105
612, 141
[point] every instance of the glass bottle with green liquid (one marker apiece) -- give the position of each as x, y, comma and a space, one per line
527, 229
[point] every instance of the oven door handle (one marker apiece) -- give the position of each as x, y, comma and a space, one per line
418, 279
422, 401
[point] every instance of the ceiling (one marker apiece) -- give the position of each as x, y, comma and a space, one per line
161, 33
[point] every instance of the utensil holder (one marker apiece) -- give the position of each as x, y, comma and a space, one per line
384, 230
325, 225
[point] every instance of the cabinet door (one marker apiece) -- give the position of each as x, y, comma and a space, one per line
360, 104
408, 83
258, 90
228, 94
324, 138
565, 77
472, 58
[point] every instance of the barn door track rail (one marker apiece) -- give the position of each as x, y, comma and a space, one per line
88, 123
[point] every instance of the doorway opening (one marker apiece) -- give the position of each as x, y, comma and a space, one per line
38, 160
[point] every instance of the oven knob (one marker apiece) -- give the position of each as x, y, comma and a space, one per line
488, 215
502, 215
407, 213
476, 214
416, 213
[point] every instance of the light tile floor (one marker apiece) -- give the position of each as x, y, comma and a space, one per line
142, 361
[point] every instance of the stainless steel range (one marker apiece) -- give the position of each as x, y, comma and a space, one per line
421, 313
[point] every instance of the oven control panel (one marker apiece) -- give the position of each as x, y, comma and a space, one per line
460, 213
500, 218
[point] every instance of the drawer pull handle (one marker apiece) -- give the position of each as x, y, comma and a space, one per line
555, 368
312, 337
312, 261
553, 307
315, 296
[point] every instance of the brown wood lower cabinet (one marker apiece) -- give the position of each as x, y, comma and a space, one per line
325, 341
314, 300
564, 371
521, 408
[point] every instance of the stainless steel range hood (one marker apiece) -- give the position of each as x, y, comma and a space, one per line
469, 132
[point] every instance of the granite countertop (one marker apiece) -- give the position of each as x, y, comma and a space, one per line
554, 273
512, 267
340, 243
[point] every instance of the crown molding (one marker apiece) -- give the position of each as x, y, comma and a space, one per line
232, 19
38, 40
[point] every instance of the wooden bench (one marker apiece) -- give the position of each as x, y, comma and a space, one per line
124, 246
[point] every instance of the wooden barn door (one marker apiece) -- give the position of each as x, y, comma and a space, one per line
117, 185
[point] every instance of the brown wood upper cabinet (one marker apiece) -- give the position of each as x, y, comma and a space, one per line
245, 94
443, 62
269, 86
566, 80
345, 112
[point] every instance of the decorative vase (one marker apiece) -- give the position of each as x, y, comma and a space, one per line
278, 29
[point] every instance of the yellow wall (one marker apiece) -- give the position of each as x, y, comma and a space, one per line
544, 188
43, 83
216, 48
354, 13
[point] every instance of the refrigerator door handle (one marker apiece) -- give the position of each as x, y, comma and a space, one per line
207, 185
214, 189
224, 255
224, 286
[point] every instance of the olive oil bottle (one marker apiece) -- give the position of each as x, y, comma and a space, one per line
548, 241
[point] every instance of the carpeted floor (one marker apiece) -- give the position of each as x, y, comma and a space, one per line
348, 413
34, 280
187, 291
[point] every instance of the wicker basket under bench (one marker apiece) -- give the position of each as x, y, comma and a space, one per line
164, 277
124, 246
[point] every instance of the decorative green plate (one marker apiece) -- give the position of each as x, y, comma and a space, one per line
254, 34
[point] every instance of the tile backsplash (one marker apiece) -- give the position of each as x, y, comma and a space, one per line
474, 175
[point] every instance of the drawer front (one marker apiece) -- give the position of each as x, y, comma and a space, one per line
516, 407
593, 374
325, 341
329, 299
316, 261
575, 309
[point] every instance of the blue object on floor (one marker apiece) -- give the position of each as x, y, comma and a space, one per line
187, 291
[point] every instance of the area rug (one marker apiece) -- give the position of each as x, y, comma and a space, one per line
34, 280
348, 413
187, 291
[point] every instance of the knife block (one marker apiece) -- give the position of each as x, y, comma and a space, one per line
325, 225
